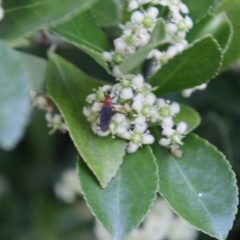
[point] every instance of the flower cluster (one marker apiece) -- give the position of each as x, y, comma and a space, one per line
54, 120
133, 109
133, 106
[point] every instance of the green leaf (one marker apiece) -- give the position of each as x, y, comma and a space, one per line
200, 186
198, 9
189, 116
123, 204
36, 68
14, 98
194, 66
83, 32
217, 25
232, 9
106, 12
157, 38
26, 16
68, 87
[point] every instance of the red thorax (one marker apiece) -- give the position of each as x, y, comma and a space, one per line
108, 101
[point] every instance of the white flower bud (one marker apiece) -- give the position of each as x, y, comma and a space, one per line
132, 147
41, 101
106, 88
86, 112
120, 45
148, 139
153, 12
126, 135
126, 93
150, 99
138, 103
107, 56
140, 120
133, 4
183, 8
188, 22
140, 128
168, 132
182, 127
172, 51
138, 81
155, 53
187, 92
57, 118
164, 142
97, 106
161, 102
171, 28
120, 130
174, 108
48, 117
91, 97
137, 17
116, 71
118, 118
167, 122
201, 87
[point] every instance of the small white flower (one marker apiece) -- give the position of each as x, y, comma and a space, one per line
167, 122
91, 97
107, 56
137, 17
132, 147
201, 87
140, 120
116, 71
181, 127
147, 139
97, 106
126, 93
138, 81
132, 5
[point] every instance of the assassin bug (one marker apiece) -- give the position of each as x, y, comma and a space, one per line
106, 112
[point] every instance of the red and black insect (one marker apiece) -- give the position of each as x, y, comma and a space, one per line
106, 112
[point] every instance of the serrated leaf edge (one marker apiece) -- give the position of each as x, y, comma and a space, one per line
103, 184
150, 206
229, 167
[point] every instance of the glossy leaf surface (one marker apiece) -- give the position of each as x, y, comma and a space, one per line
189, 116
123, 204
217, 25
200, 186
194, 66
81, 31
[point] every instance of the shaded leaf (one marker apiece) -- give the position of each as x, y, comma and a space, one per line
189, 116
106, 12
194, 66
198, 9
68, 87
14, 97
26, 16
157, 38
36, 68
200, 186
217, 25
232, 9
83, 32
123, 204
